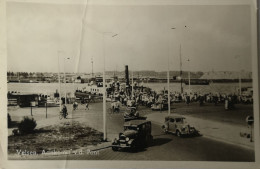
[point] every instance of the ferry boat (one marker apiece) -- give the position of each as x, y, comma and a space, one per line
93, 89
197, 82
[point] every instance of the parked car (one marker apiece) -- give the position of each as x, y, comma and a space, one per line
179, 126
137, 134
132, 114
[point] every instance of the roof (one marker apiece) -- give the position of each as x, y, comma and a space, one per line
135, 122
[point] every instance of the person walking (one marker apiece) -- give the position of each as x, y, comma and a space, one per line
64, 111
87, 106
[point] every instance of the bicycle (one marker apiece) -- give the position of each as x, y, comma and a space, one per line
62, 115
75, 106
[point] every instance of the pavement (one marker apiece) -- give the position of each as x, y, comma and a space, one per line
92, 117
220, 131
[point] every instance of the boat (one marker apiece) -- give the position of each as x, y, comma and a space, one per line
197, 82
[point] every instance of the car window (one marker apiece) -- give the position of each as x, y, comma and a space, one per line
172, 120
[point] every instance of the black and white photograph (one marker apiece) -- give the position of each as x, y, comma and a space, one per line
131, 81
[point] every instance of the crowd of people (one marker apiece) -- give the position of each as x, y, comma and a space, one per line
150, 98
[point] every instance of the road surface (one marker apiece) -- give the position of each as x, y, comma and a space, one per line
165, 146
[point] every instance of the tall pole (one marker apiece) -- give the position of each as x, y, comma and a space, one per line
181, 70
92, 67
189, 73
168, 83
168, 76
59, 79
240, 92
64, 81
104, 92
46, 107
239, 73
104, 88
132, 84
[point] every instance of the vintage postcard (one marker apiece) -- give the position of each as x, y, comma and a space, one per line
129, 84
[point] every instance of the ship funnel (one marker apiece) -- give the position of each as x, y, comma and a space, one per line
126, 75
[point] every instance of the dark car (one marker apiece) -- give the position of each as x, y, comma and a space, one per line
137, 134
132, 114
179, 126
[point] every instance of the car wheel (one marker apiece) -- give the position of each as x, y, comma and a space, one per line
134, 147
150, 140
178, 133
114, 148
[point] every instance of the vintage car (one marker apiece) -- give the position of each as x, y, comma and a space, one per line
179, 126
132, 114
137, 134
158, 106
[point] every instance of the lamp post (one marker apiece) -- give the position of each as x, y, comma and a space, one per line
64, 59
189, 73
132, 93
239, 74
181, 70
104, 85
168, 75
59, 79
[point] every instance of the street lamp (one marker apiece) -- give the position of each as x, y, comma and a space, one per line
59, 79
132, 93
189, 72
104, 83
239, 74
168, 76
64, 59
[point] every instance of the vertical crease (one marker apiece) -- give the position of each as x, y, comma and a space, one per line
82, 32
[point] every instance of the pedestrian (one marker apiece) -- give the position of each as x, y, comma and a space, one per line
87, 106
64, 111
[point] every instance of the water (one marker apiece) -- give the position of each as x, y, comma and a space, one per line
227, 88
45, 88
50, 88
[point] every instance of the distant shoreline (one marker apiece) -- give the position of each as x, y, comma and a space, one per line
160, 81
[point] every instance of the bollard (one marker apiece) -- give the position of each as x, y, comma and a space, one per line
226, 104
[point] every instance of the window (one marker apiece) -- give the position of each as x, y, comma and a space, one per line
172, 120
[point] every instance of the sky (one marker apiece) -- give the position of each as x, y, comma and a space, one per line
45, 37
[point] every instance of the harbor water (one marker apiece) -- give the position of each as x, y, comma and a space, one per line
50, 88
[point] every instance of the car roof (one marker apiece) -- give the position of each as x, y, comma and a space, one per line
174, 116
135, 122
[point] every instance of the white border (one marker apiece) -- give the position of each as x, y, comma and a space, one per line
4, 163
